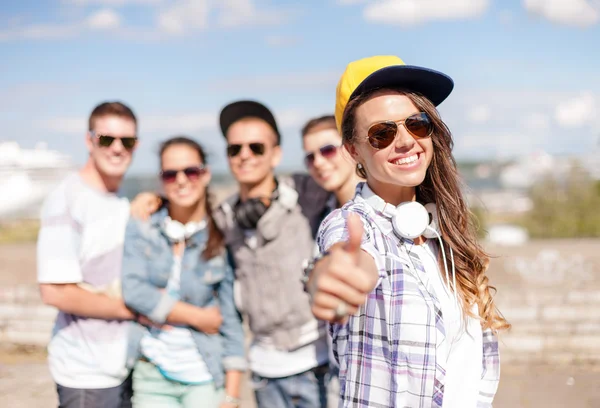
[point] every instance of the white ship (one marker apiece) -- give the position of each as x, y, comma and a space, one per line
27, 176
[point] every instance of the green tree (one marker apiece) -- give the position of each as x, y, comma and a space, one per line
567, 208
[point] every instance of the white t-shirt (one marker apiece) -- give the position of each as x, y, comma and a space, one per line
267, 361
81, 241
172, 348
465, 347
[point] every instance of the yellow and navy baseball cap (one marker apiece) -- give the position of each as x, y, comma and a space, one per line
384, 71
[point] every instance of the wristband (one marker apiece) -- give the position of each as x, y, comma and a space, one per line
232, 400
309, 267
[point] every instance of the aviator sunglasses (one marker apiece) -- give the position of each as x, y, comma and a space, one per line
258, 149
192, 173
327, 151
106, 140
382, 134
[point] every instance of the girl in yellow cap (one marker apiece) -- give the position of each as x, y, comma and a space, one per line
400, 273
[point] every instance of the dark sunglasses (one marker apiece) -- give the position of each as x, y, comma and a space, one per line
382, 134
327, 151
257, 149
106, 141
192, 173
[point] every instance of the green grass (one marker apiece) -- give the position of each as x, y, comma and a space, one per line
19, 231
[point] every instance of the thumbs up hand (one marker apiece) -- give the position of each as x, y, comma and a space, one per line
341, 281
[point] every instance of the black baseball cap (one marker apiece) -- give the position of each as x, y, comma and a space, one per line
246, 109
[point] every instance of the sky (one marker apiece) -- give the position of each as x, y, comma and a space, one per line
526, 72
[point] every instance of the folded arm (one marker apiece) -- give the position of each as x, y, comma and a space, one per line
151, 301
232, 331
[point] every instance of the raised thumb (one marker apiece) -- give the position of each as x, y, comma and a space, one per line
355, 233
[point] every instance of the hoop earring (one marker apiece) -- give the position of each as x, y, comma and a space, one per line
360, 171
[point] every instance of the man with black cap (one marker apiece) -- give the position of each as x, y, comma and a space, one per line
269, 229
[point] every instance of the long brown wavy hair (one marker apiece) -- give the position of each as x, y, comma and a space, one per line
215, 243
442, 186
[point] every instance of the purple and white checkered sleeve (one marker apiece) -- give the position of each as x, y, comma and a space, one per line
490, 377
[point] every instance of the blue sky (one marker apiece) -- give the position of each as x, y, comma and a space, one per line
525, 71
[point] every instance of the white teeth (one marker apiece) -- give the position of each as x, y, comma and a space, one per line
406, 160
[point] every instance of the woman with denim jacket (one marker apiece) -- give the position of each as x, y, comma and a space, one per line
190, 350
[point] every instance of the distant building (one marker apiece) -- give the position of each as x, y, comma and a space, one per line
27, 176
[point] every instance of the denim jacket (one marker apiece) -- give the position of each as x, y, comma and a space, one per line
147, 264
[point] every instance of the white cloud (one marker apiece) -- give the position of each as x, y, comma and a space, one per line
172, 18
291, 81
111, 3
413, 12
99, 20
479, 114
581, 13
282, 40
536, 121
180, 123
38, 32
63, 125
522, 121
498, 143
104, 20
183, 122
291, 118
236, 13
577, 111
187, 16
184, 15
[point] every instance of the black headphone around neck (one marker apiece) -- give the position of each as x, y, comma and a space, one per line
249, 212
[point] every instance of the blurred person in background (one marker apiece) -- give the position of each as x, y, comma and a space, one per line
269, 228
406, 331
327, 162
176, 272
334, 170
79, 253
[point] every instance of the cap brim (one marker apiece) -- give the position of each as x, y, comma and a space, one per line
245, 109
434, 85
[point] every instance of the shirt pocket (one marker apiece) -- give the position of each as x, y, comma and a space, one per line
199, 287
158, 263
214, 271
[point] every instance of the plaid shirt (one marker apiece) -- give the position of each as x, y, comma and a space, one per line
392, 352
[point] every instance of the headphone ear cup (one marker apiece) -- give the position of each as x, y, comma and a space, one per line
410, 220
434, 221
249, 212
174, 229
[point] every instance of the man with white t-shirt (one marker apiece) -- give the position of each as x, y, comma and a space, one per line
79, 253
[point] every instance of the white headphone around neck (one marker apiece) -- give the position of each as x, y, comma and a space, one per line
411, 220
179, 232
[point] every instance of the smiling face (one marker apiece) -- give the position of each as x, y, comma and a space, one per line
252, 150
405, 161
112, 160
188, 188
331, 167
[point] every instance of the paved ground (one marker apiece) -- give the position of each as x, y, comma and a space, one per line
25, 383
